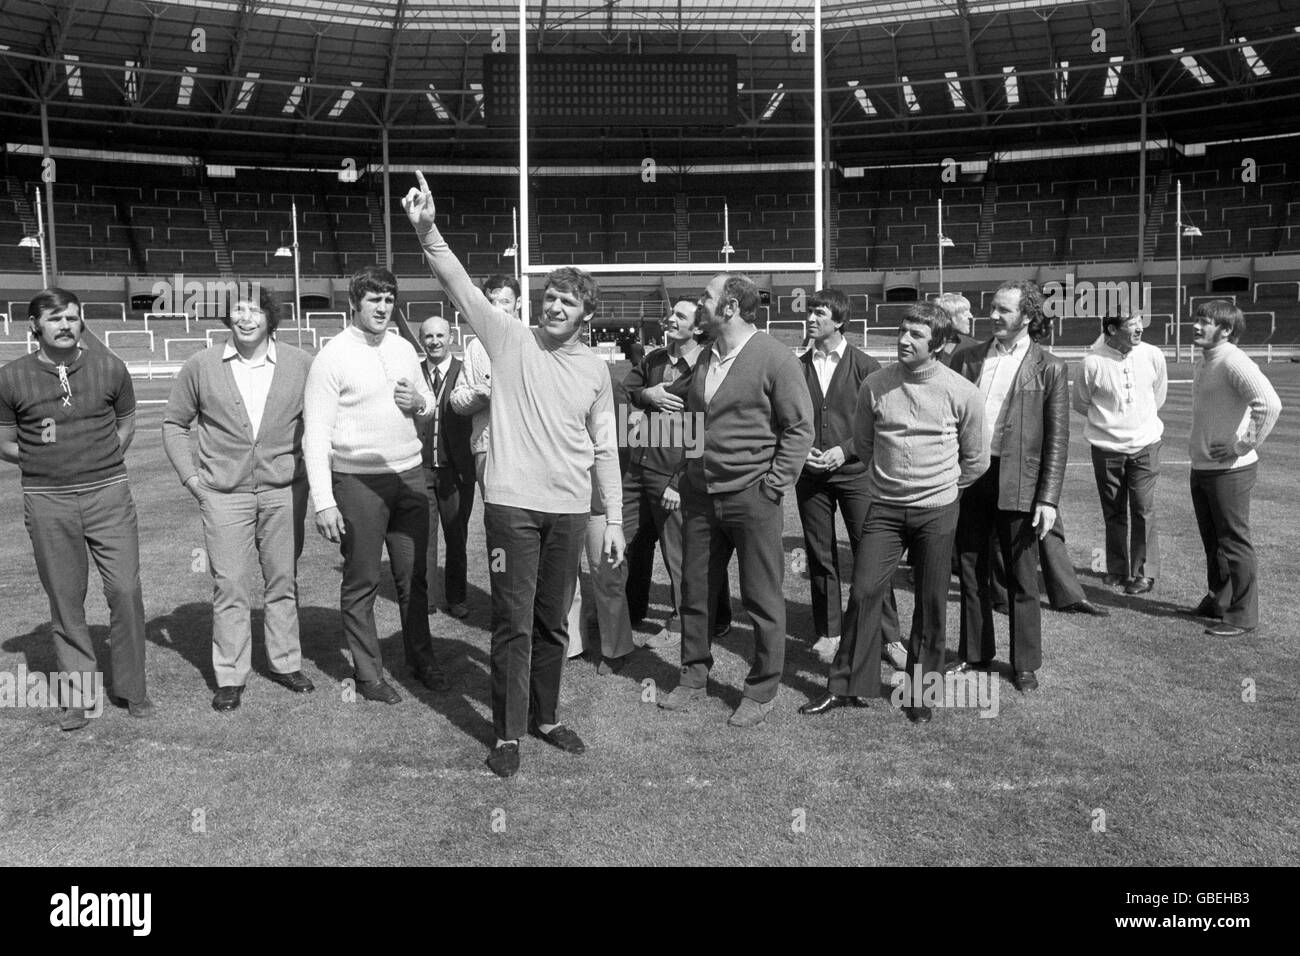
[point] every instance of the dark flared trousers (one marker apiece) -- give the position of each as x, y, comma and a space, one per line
1221, 500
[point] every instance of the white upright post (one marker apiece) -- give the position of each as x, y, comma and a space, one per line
521, 253
1178, 274
40, 237
819, 198
941, 247
514, 230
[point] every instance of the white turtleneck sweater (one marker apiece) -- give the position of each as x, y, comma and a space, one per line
1232, 402
352, 425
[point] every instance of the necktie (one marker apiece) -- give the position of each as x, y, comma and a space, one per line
437, 417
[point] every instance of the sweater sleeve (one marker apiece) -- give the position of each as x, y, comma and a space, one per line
320, 409
792, 414
489, 323
864, 425
182, 409
475, 380
972, 450
1265, 406
601, 428
1082, 393
1161, 378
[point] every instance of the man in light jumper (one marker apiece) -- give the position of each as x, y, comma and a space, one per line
920, 428
365, 406
1234, 407
757, 416
248, 477
1120, 390
552, 419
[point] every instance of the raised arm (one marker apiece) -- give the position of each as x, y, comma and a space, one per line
487, 321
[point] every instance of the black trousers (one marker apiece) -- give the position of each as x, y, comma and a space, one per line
378, 510
533, 563
1221, 500
927, 533
452, 501
1017, 541
750, 524
1059, 580
817, 496
1126, 484
645, 520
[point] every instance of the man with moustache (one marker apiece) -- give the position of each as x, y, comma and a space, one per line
1234, 407
1120, 390
248, 477
67, 417
1026, 411
651, 493
919, 428
834, 474
448, 465
552, 419
365, 404
758, 430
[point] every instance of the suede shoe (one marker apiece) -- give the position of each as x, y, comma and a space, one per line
73, 718
682, 697
562, 737
751, 713
504, 760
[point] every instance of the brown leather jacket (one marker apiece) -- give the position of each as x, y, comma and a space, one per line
1035, 428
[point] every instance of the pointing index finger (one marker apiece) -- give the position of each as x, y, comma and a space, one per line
424, 186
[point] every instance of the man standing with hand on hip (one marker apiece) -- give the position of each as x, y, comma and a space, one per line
1234, 407
251, 487
552, 418
364, 407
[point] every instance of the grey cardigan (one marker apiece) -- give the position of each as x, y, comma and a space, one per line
230, 457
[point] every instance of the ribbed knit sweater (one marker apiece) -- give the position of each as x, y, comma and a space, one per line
352, 424
1232, 402
921, 434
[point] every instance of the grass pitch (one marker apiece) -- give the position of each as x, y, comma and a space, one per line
1142, 747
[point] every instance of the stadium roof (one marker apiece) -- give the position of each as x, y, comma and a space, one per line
281, 81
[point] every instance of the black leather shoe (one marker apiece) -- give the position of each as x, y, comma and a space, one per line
1208, 608
1024, 680
296, 681
562, 737
1140, 586
432, 677
226, 698
967, 667
378, 690
832, 702
919, 715
1227, 630
504, 760
1085, 607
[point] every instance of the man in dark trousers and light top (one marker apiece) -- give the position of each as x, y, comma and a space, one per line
67, 417
751, 394
919, 426
552, 419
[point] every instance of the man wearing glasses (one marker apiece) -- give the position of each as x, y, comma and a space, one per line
1120, 391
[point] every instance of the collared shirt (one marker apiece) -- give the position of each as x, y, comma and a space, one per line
437, 373
253, 379
673, 370
721, 365
996, 379
825, 364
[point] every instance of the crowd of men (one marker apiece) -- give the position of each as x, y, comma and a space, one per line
955, 455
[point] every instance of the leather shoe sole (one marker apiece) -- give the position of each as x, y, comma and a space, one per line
832, 702
295, 681
378, 690
1228, 630
226, 698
